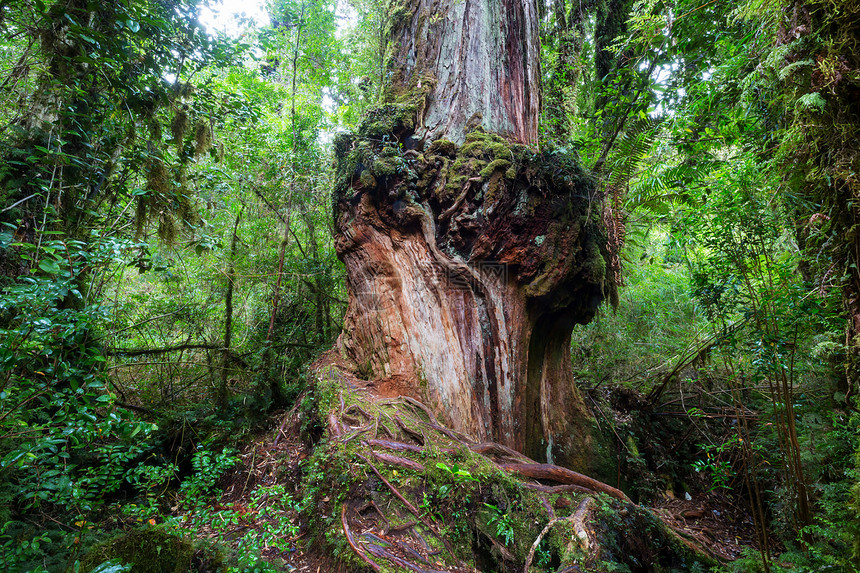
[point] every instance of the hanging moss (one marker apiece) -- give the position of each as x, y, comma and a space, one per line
178, 128
186, 211
202, 137
167, 228
140, 217
157, 178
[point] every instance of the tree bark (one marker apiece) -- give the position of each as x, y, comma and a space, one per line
467, 267
479, 62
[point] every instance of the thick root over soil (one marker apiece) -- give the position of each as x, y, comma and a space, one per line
395, 490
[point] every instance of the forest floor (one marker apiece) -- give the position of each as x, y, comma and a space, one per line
708, 521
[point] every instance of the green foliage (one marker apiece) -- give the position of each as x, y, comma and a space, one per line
208, 469
62, 439
502, 521
21, 554
654, 313
721, 472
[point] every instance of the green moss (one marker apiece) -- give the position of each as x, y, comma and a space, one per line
367, 180
452, 188
388, 120
495, 165
385, 165
487, 145
147, 550
443, 147
594, 266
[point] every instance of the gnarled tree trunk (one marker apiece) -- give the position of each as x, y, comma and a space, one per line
468, 265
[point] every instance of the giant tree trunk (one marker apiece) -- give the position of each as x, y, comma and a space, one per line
468, 266
481, 59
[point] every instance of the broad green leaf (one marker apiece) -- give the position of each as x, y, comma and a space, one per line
50, 266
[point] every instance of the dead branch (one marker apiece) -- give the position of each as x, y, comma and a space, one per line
403, 527
128, 352
287, 417
382, 515
357, 432
503, 551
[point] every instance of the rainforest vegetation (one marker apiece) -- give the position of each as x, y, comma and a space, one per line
220, 249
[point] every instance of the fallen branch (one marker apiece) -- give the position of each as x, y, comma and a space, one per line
357, 432
163, 350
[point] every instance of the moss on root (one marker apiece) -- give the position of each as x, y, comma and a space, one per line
387, 480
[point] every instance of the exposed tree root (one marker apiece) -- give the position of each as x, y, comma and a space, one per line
566, 477
420, 497
399, 461
351, 541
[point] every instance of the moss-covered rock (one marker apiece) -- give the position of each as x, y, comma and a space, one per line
151, 550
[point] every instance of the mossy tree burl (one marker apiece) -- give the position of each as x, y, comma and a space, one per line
470, 253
